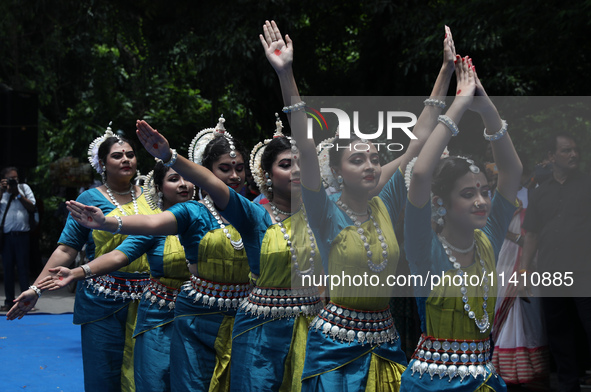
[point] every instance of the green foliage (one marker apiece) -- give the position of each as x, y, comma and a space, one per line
181, 65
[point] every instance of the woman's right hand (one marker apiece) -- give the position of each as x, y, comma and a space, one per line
466, 82
23, 304
88, 216
58, 278
153, 141
278, 52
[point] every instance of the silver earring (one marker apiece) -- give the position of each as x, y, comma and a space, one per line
160, 201
269, 182
341, 182
441, 211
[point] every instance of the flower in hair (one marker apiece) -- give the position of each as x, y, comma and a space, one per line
93, 148
200, 141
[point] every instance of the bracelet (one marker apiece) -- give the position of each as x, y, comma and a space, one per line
87, 272
172, 159
434, 102
36, 290
450, 124
294, 108
119, 225
496, 136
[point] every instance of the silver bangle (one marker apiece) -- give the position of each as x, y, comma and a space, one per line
172, 159
450, 124
119, 225
434, 102
87, 272
294, 108
496, 136
36, 290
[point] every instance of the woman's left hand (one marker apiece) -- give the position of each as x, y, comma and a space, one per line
449, 49
278, 52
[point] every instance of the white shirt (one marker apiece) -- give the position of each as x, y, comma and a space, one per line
17, 217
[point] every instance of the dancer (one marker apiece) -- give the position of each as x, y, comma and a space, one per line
205, 308
168, 271
352, 344
454, 350
108, 320
271, 327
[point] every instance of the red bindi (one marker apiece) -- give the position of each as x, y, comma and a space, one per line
233, 162
277, 52
155, 146
477, 185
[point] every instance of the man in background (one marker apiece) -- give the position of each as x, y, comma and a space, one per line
16, 203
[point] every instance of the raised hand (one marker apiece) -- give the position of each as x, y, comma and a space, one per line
23, 304
466, 82
449, 49
153, 141
58, 278
278, 52
88, 216
482, 101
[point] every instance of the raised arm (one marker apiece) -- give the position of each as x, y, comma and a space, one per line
420, 186
93, 218
428, 117
279, 52
505, 157
158, 146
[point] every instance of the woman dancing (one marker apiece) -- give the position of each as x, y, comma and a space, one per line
205, 308
271, 326
454, 350
105, 306
168, 271
352, 344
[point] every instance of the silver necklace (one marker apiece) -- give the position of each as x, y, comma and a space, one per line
294, 257
482, 323
237, 245
372, 266
276, 211
445, 242
121, 193
116, 203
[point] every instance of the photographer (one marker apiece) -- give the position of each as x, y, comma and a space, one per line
16, 203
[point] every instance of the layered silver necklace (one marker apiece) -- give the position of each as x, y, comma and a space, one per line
237, 245
116, 203
353, 216
482, 323
294, 257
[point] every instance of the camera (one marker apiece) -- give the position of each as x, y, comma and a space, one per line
12, 182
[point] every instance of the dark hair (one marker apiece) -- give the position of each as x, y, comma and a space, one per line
552, 142
272, 150
335, 154
6, 170
159, 173
218, 147
447, 172
105, 147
